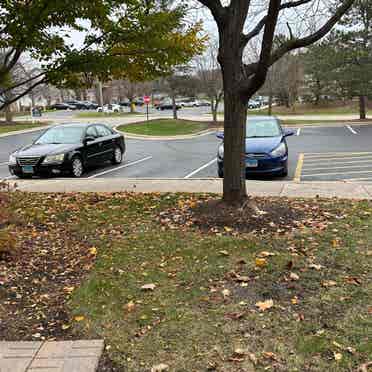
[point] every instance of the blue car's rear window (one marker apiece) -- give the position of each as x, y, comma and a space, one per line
262, 128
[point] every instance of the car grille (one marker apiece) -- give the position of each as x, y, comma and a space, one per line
30, 160
255, 156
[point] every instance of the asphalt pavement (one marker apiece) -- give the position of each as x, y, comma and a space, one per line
316, 153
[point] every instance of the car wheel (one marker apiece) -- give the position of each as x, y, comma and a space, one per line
77, 168
118, 156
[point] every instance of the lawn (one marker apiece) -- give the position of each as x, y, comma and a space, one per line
95, 114
302, 109
165, 279
164, 127
5, 128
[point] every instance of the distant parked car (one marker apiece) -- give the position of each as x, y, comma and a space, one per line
78, 104
62, 106
204, 103
90, 105
254, 104
167, 106
110, 108
68, 149
125, 103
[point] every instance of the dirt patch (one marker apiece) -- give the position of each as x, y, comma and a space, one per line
257, 215
36, 282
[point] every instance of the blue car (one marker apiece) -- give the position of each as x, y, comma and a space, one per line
266, 149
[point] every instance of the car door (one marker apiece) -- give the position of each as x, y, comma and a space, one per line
92, 148
108, 142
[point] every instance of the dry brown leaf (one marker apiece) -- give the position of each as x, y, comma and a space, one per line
294, 276
265, 254
79, 318
261, 262
329, 283
160, 367
264, 305
148, 287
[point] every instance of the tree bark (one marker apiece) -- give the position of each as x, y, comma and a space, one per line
234, 186
270, 108
8, 114
362, 107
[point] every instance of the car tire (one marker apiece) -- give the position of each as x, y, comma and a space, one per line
77, 167
117, 156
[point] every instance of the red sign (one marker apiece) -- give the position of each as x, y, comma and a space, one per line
146, 99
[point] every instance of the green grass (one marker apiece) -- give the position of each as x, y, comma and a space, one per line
5, 128
95, 114
186, 321
164, 127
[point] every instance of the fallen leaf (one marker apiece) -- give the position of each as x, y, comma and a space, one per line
224, 253
294, 276
264, 254
235, 316
260, 262
269, 355
253, 358
315, 266
130, 306
65, 326
226, 293
79, 318
337, 356
264, 305
148, 287
294, 300
93, 251
329, 283
364, 367
228, 229
160, 367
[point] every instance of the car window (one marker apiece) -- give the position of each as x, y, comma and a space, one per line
61, 134
262, 128
103, 131
91, 132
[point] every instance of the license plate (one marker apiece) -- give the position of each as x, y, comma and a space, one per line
28, 169
251, 163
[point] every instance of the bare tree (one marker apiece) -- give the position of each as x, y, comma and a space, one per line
241, 80
210, 77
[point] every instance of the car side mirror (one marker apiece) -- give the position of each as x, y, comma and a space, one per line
88, 139
288, 132
220, 135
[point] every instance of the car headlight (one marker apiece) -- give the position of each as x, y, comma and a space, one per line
12, 159
54, 158
281, 150
221, 151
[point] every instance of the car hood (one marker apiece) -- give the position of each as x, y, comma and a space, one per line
47, 149
262, 145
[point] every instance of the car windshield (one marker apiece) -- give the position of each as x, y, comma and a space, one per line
61, 135
262, 128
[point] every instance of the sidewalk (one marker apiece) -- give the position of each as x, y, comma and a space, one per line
51, 356
212, 185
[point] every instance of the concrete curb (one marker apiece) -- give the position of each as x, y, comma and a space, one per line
343, 190
23, 131
164, 138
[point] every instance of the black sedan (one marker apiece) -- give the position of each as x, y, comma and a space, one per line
62, 106
167, 106
68, 149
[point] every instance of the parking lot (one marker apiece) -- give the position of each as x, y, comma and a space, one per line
327, 153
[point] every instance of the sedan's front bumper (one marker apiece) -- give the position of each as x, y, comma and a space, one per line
45, 170
265, 166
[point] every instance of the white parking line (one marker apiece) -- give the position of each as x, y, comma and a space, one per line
358, 179
331, 167
298, 132
333, 173
351, 129
121, 167
339, 161
200, 169
337, 158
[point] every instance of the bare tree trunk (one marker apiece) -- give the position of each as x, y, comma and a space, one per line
8, 114
270, 108
174, 107
234, 186
362, 107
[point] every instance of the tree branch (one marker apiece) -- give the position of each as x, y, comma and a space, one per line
261, 24
301, 42
216, 9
